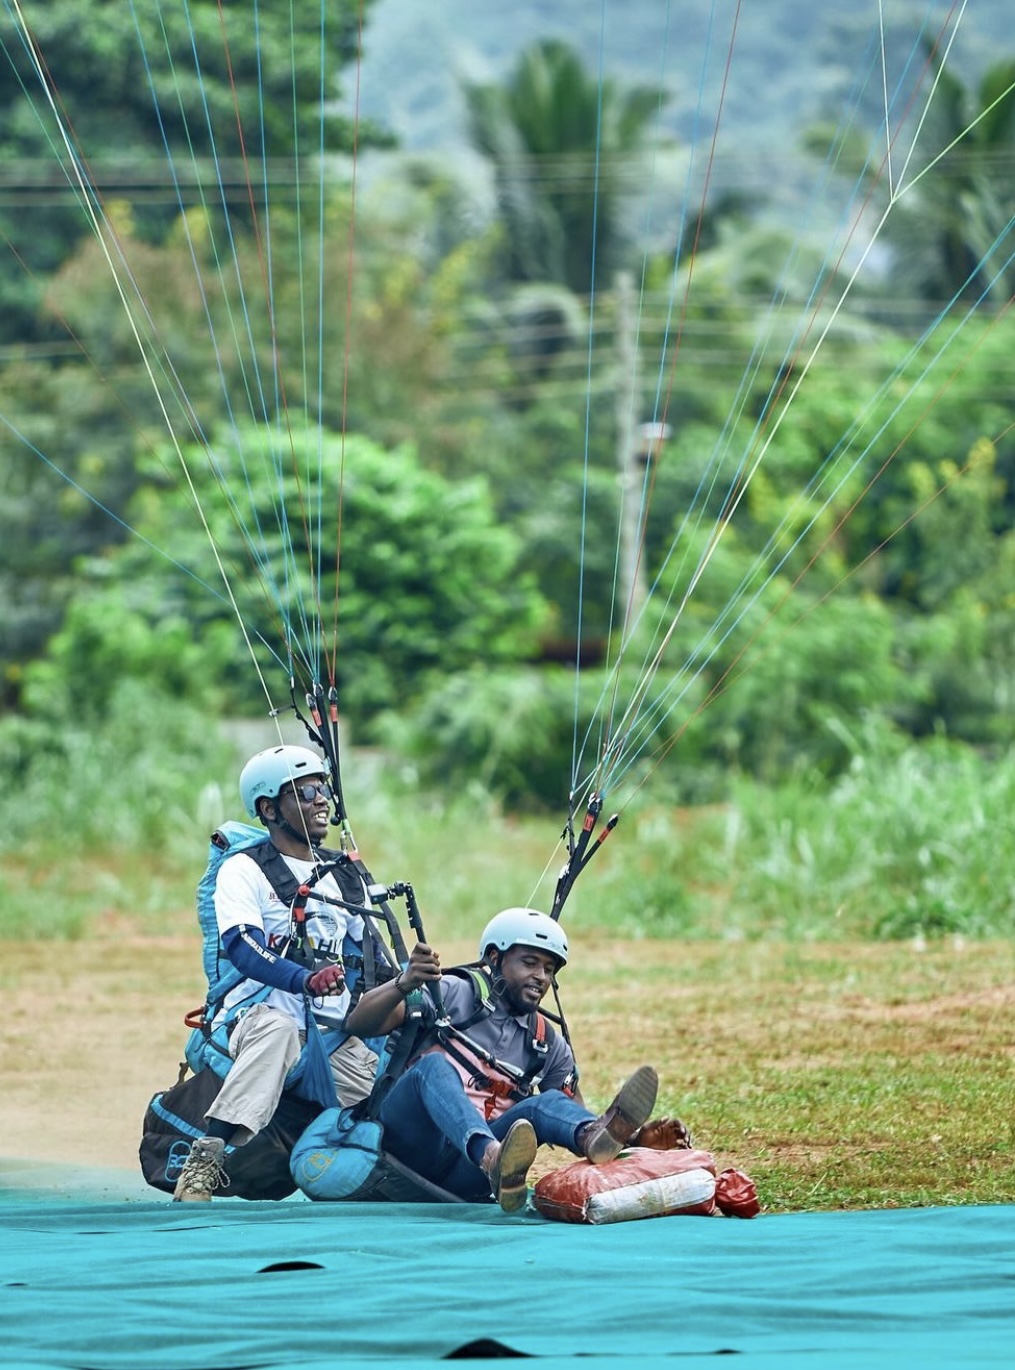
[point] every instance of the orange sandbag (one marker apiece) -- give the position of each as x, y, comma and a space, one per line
640, 1183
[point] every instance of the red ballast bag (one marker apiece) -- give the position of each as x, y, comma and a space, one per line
736, 1195
643, 1183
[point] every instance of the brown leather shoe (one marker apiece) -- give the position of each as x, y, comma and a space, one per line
606, 1138
509, 1166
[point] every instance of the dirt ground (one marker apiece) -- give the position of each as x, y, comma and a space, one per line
92, 1029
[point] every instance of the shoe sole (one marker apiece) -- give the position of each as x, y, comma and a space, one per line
518, 1151
629, 1111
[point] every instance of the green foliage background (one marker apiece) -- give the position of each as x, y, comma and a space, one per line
444, 410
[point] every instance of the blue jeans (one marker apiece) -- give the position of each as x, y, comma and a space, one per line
429, 1121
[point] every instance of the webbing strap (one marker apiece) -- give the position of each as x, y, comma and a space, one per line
406, 1039
390, 921
475, 972
452, 1038
342, 866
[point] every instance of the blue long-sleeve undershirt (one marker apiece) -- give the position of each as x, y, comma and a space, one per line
247, 950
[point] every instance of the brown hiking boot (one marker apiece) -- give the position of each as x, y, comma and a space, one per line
508, 1166
202, 1172
606, 1138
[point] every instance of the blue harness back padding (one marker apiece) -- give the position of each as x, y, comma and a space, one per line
340, 1156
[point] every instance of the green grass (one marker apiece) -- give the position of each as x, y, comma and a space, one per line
908, 845
836, 1075
735, 947
914, 844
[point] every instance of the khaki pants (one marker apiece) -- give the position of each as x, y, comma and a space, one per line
265, 1045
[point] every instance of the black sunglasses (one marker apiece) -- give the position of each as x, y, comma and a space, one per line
310, 789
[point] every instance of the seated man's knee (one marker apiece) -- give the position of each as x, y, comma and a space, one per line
428, 1075
261, 1026
435, 1069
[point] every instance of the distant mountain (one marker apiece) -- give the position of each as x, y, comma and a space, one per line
786, 61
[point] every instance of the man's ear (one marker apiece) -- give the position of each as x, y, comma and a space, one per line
264, 814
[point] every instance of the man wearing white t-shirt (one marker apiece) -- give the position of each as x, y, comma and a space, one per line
287, 790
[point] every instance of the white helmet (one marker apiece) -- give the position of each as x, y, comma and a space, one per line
264, 774
524, 928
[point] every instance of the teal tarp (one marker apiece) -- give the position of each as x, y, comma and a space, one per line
99, 1275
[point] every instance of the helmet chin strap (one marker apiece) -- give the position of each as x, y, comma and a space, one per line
284, 826
499, 989
299, 834
498, 985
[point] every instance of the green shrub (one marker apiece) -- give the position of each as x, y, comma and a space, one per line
913, 840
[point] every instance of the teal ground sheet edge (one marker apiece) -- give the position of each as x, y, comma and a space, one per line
98, 1272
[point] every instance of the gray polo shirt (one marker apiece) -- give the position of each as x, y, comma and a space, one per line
504, 1035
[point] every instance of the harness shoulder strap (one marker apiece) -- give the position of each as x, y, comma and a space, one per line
285, 883
539, 1051
540, 1034
350, 875
479, 978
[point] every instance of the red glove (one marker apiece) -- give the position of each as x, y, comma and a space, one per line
327, 980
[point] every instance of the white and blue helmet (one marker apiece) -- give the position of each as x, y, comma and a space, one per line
264, 774
524, 928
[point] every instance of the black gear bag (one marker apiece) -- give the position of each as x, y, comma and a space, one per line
259, 1170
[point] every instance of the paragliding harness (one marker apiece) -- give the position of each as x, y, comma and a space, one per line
366, 964
341, 1154
496, 1079
176, 1116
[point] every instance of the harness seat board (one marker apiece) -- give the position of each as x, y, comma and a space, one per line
99, 1274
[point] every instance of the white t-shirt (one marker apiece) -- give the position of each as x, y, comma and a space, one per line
243, 895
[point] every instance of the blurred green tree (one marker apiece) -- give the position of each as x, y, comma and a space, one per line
231, 91
410, 579
567, 150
